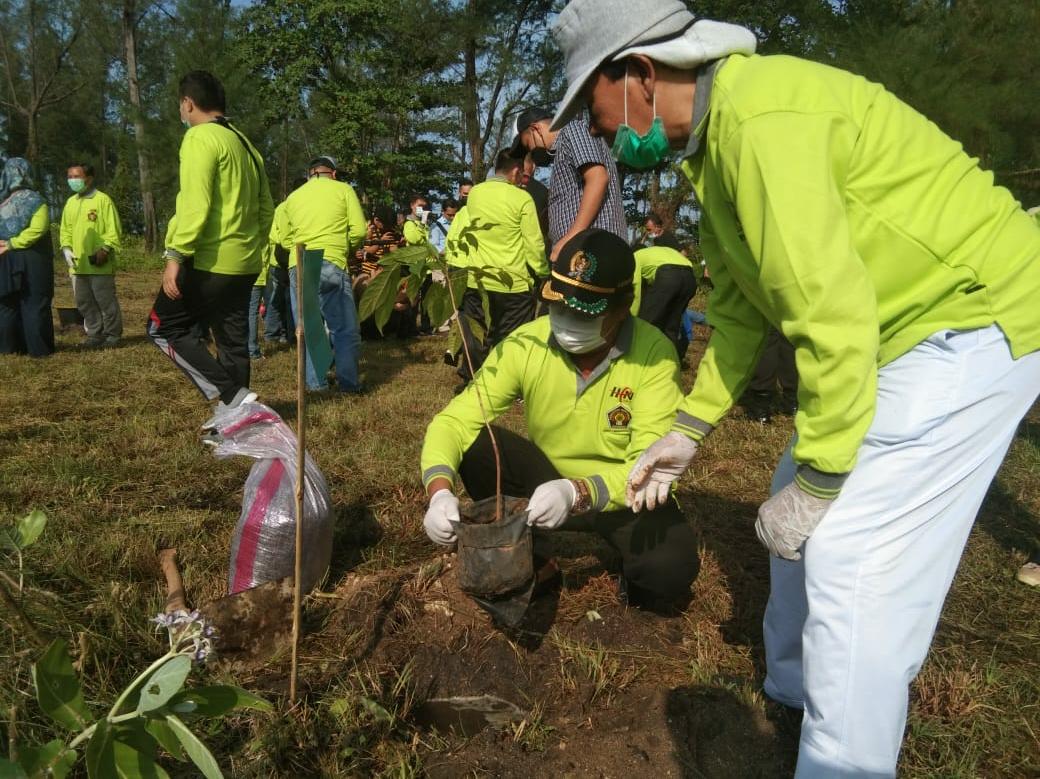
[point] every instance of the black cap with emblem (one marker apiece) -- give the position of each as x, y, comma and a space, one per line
593, 269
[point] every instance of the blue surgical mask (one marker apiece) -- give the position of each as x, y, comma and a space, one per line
641, 152
77, 185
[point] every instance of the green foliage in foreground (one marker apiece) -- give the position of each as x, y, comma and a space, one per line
153, 713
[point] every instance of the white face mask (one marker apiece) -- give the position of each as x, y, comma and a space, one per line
575, 333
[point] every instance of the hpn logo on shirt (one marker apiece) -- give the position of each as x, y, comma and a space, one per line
624, 394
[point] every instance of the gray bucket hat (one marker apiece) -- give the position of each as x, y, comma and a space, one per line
591, 32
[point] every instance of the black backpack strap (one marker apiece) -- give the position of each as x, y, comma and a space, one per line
223, 122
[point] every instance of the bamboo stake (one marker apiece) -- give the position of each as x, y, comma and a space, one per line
301, 367
499, 507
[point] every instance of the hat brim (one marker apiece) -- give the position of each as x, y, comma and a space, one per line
571, 104
550, 295
583, 302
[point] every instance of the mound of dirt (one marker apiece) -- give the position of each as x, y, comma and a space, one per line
589, 687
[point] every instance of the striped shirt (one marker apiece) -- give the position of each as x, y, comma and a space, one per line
574, 149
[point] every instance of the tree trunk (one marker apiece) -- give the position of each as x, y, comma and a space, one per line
470, 114
284, 172
151, 227
32, 145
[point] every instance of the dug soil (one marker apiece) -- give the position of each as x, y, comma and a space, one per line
604, 690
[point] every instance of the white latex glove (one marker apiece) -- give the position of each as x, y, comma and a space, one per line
662, 463
70, 259
551, 503
441, 517
787, 519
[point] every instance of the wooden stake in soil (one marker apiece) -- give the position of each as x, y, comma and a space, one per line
175, 599
301, 367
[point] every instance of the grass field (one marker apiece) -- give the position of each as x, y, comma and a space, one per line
106, 443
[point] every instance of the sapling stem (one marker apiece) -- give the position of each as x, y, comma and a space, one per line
140, 678
480, 400
112, 717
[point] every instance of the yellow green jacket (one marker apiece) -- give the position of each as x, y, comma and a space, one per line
90, 222
224, 205
261, 279
454, 242
38, 225
590, 429
415, 232
839, 215
325, 214
648, 260
280, 234
508, 235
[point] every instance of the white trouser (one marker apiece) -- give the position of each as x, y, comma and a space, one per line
848, 627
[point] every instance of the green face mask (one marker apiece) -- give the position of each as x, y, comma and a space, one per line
77, 185
640, 152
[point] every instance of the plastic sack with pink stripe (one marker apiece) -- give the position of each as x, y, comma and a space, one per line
263, 547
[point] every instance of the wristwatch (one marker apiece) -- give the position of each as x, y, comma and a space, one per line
583, 501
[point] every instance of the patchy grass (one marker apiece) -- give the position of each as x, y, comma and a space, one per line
105, 442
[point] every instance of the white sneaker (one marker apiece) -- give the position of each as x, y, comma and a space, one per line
244, 395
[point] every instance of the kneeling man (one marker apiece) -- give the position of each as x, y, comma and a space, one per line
598, 386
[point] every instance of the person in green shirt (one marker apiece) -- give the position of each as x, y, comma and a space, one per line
279, 325
26, 272
326, 214
907, 283
255, 298
215, 247
598, 386
89, 235
509, 248
665, 284
416, 230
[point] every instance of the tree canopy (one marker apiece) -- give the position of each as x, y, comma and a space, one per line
410, 96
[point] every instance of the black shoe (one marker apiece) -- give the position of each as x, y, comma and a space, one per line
789, 403
758, 406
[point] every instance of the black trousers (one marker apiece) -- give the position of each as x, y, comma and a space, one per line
26, 291
509, 310
212, 302
775, 365
664, 302
658, 548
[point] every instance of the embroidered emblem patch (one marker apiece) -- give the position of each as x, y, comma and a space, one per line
92, 216
619, 417
583, 266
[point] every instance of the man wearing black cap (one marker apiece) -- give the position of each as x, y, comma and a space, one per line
584, 190
598, 385
325, 214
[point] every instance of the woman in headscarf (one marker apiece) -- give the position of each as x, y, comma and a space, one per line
26, 270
